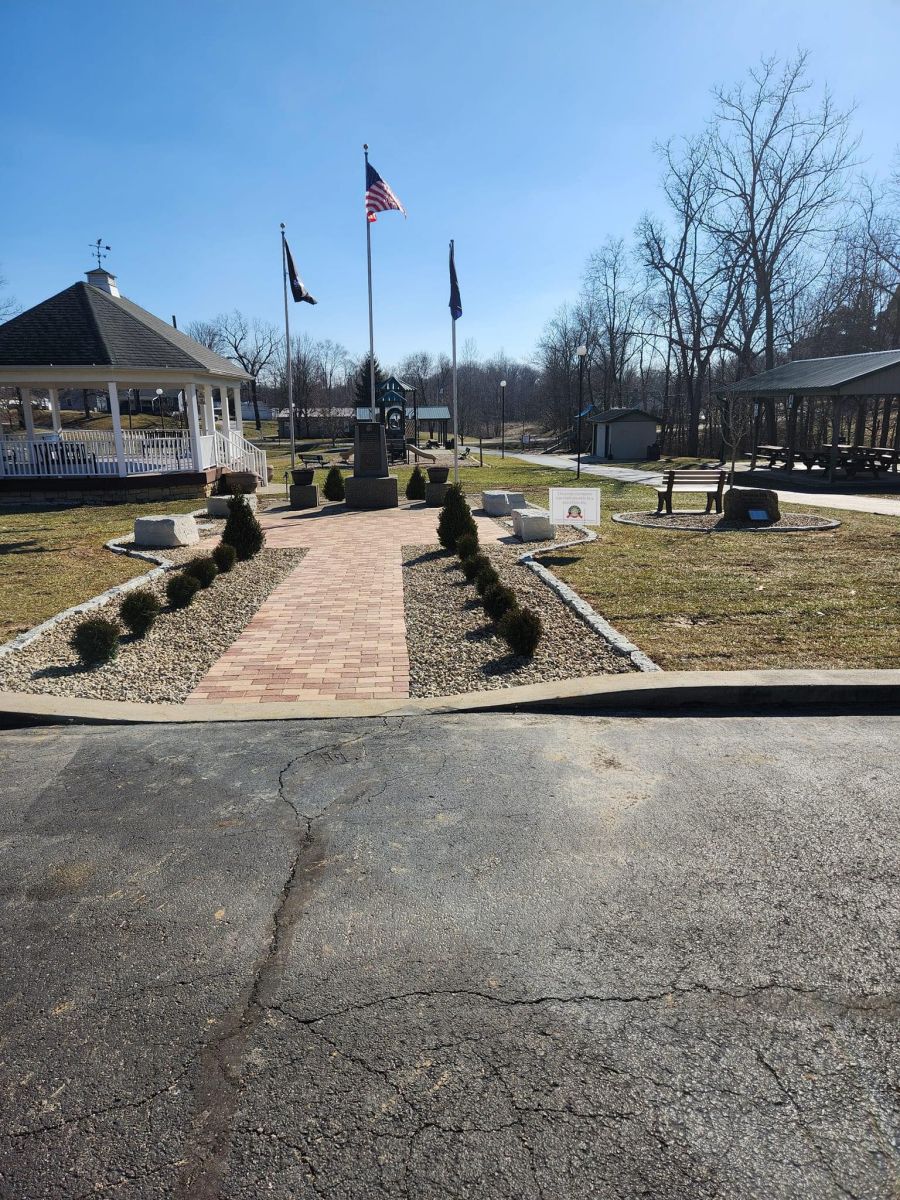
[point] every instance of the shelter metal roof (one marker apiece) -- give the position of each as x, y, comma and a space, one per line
621, 414
84, 326
873, 373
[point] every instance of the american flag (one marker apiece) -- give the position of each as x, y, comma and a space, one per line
379, 196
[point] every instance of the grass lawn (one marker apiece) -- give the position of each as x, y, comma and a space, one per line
51, 560
728, 601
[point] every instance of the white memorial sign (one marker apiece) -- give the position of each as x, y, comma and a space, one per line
575, 506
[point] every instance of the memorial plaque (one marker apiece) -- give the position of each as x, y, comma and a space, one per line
370, 450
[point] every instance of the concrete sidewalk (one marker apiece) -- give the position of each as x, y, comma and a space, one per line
869, 504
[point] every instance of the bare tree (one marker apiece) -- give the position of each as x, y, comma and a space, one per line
208, 334
8, 306
254, 345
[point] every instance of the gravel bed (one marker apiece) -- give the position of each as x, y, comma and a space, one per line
167, 664
716, 523
452, 644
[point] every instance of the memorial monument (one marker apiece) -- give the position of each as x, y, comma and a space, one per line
370, 486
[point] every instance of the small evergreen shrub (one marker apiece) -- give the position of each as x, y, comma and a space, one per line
95, 640
242, 530
224, 557
456, 518
485, 578
498, 600
139, 610
203, 569
522, 629
467, 545
471, 566
334, 484
181, 589
415, 489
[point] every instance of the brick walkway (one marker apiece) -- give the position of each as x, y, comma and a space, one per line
334, 628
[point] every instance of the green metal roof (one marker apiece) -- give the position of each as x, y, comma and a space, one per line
877, 373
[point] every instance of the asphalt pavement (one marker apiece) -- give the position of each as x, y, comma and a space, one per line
469, 956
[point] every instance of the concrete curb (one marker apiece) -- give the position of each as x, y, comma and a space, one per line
723, 692
615, 640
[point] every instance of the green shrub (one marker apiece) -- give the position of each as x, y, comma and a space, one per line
242, 530
224, 557
498, 600
181, 589
415, 489
522, 629
486, 578
471, 566
456, 518
467, 545
334, 484
203, 569
139, 610
95, 640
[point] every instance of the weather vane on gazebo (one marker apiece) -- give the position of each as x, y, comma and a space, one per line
100, 250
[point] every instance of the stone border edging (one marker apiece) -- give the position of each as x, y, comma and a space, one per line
721, 691
615, 640
827, 523
163, 564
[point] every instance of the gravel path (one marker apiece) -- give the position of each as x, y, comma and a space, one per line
452, 644
715, 523
168, 663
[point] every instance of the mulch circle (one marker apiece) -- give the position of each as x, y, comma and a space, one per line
716, 523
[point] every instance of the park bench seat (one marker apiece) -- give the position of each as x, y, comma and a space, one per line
710, 482
316, 460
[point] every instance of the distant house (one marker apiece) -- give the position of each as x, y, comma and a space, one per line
317, 422
625, 434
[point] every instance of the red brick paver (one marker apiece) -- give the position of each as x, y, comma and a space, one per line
334, 628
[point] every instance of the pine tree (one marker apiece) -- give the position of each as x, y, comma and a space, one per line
334, 484
242, 530
362, 385
455, 519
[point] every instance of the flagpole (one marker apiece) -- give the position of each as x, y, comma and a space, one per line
371, 322
455, 429
287, 345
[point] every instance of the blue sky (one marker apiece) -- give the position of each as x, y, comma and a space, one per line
183, 133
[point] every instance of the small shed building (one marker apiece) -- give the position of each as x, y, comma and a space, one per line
624, 434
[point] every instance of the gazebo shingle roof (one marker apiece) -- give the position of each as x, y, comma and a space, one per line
85, 326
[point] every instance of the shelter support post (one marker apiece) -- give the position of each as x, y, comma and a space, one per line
836, 413
116, 415
225, 414
54, 410
238, 417
209, 413
27, 414
193, 418
757, 412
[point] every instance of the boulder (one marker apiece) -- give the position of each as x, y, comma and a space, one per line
739, 501
217, 506
177, 530
533, 524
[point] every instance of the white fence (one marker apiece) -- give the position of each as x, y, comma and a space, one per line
77, 453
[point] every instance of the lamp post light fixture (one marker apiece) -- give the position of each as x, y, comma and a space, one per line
503, 418
582, 355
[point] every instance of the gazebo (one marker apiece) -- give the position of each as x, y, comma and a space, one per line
840, 412
90, 336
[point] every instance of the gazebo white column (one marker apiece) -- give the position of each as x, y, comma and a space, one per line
193, 419
116, 415
54, 410
226, 418
27, 414
238, 418
209, 414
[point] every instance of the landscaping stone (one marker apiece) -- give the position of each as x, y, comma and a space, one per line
217, 506
177, 530
533, 524
499, 503
303, 495
435, 494
739, 501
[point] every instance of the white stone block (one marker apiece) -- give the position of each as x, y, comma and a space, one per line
217, 506
498, 503
178, 530
533, 524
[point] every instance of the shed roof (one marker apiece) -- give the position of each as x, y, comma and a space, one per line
876, 372
84, 326
621, 414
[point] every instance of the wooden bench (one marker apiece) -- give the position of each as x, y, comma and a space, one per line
710, 482
315, 460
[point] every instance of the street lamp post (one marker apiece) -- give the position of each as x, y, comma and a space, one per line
582, 354
159, 400
503, 418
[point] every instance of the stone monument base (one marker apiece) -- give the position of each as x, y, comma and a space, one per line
375, 491
739, 501
304, 495
435, 494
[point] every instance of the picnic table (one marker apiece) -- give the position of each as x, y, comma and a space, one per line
851, 459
